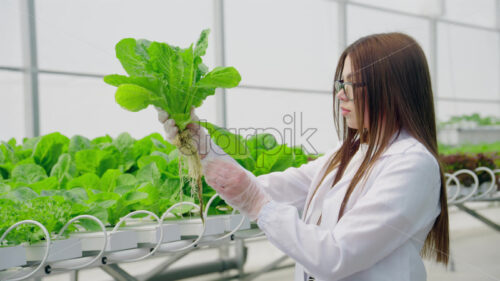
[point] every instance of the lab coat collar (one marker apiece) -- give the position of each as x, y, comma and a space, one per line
397, 144
400, 143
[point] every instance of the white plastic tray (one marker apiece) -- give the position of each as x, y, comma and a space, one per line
151, 234
59, 250
12, 257
232, 221
120, 240
193, 227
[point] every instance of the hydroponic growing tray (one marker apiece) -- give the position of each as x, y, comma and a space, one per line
136, 241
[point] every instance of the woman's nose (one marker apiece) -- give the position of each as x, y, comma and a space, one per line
341, 95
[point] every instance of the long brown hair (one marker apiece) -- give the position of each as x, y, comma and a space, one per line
397, 92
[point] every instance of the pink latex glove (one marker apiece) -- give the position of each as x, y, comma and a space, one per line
238, 187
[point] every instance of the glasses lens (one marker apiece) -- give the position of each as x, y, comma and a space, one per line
337, 86
349, 92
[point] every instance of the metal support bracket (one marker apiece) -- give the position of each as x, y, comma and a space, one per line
117, 273
478, 216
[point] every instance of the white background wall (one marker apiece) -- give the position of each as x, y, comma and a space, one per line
278, 43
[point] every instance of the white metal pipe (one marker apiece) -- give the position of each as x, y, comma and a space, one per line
342, 26
220, 60
30, 61
498, 27
433, 25
497, 14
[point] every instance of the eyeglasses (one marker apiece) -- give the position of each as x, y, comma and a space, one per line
348, 91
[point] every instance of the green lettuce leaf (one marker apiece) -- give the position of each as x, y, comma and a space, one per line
232, 144
48, 150
167, 76
28, 173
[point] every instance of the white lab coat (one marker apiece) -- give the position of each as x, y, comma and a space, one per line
384, 225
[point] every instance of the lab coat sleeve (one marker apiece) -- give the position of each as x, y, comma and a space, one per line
403, 199
291, 186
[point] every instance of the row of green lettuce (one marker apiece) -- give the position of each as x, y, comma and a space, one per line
53, 178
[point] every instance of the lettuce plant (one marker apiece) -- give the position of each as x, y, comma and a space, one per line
260, 153
173, 79
53, 178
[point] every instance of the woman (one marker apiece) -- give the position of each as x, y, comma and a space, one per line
370, 207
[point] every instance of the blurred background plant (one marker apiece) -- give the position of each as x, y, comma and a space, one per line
470, 156
469, 121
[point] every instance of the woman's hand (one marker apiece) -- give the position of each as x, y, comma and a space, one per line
238, 187
198, 134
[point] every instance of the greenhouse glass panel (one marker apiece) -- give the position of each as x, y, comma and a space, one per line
86, 106
10, 32
293, 118
380, 22
81, 35
12, 105
468, 63
480, 12
290, 44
